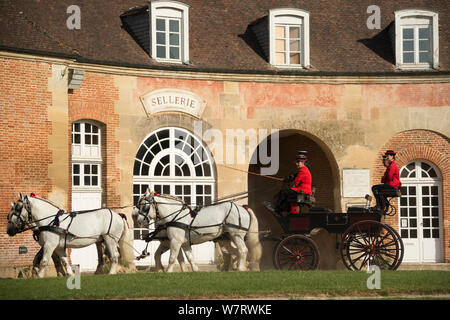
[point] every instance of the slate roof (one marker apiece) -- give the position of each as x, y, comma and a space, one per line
220, 35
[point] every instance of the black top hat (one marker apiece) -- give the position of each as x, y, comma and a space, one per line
302, 155
390, 153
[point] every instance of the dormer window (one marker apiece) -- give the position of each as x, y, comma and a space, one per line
169, 25
416, 39
289, 38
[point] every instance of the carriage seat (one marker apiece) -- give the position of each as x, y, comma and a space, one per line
304, 200
391, 193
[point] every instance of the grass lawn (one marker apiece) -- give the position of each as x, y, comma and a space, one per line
227, 285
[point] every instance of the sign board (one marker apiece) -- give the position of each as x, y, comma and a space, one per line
173, 100
356, 182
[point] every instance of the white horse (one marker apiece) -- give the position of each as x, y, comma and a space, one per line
60, 230
183, 229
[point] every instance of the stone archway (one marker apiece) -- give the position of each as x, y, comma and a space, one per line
325, 176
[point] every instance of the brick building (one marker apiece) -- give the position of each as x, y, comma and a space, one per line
92, 114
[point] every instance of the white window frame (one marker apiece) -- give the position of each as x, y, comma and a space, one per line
82, 145
82, 159
82, 186
290, 16
170, 10
414, 18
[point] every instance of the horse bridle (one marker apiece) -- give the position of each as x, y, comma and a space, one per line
146, 209
18, 207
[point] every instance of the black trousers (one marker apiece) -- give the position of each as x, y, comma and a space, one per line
283, 198
381, 192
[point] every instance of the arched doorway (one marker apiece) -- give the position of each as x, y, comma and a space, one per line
173, 161
421, 218
325, 177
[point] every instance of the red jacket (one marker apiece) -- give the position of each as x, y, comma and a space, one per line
392, 176
302, 181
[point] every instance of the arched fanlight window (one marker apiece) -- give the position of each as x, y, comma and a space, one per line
174, 161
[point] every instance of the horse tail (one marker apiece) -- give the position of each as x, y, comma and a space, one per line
126, 244
253, 243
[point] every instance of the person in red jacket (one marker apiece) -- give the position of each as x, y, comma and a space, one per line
300, 183
390, 182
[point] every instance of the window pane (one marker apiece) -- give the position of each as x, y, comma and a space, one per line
280, 58
426, 223
408, 33
174, 39
87, 127
87, 139
295, 58
413, 234
294, 45
95, 140
432, 174
426, 233
424, 57
174, 53
77, 138
408, 45
160, 25
95, 169
425, 190
280, 32
76, 127
435, 233
426, 212
404, 233
87, 169
95, 181
160, 38
76, 169
434, 191
294, 32
424, 33
174, 26
424, 45
76, 180
412, 191
408, 57
280, 45
94, 129
435, 223
87, 180
160, 52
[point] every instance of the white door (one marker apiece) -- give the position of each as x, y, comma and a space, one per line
420, 219
86, 257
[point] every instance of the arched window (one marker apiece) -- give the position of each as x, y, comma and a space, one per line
420, 219
174, 161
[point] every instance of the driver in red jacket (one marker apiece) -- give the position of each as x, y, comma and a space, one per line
301, 182
390, 182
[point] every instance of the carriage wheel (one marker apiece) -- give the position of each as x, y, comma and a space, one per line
401, 247
370, 243
296, 252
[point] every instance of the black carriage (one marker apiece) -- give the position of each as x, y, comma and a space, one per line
365, 239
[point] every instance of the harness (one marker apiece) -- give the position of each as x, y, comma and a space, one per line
54, 225
187, 227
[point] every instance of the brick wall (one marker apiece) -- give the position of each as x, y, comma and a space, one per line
421, 144
24, 151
